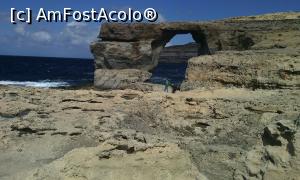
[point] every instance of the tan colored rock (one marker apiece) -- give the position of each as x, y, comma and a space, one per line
129, 32
213, 128
123, 55
119, 79
251, 69
271, 16
276, 158
168, 162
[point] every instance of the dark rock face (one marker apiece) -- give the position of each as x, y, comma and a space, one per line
138, 46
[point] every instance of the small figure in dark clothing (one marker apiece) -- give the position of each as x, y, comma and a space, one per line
167, 85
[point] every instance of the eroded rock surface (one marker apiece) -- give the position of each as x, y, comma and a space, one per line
156, 135
114, 160
276, 157
120, 79
251, 69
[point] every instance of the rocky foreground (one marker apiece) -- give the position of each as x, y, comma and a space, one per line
237, 115
227, 133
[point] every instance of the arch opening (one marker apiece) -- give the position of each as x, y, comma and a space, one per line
172, 52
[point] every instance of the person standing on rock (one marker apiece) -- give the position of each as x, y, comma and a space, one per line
167, 84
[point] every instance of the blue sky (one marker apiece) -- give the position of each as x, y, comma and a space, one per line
72, 39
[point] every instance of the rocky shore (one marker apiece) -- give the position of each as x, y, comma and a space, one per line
84, 134
236, 116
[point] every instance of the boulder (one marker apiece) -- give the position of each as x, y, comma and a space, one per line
119, 79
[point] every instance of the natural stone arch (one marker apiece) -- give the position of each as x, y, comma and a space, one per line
126, 53
158, 44
138, 46
134, 48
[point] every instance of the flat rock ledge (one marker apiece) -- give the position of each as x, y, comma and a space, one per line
225, 133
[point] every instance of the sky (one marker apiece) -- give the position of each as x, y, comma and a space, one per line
72, 39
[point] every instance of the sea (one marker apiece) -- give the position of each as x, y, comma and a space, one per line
49, 72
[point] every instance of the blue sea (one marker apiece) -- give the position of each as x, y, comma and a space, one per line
46, 72
174, 72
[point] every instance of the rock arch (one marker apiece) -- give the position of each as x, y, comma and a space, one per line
125, 53
137, 46
158, 44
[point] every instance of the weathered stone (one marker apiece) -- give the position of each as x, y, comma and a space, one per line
129, 32
252, 69
216, 127
159, 163
123, 55
277, 158
119, 79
